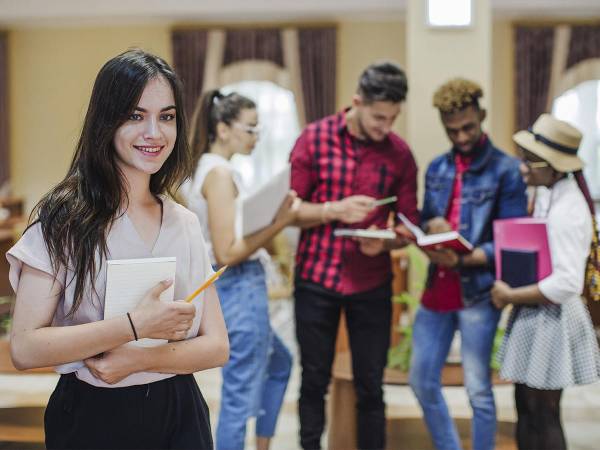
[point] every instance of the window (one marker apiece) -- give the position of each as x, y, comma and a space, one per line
449, 13
580, 107
279, 129
278, 119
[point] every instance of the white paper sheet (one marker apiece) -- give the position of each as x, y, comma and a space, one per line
129, 280
260, 207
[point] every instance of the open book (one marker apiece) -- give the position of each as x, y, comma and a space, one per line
259, 208
450, 239
128, 280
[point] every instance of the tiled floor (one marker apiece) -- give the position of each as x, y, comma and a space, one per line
580, 405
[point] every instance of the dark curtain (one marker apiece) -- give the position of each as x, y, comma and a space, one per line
533, 63
264, 44
317, 61
318, 67
585, 44
189, 54
4, 150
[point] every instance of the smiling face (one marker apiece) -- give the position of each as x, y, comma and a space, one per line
146, 139
374, 120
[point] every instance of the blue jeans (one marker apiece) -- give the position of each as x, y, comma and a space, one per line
256, 376
432, 335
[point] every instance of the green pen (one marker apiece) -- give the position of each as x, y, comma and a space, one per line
384, 201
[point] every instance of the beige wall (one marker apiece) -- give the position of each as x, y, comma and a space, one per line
501, 125
433, 57
362, 43
387, 40
52, 71
51, 76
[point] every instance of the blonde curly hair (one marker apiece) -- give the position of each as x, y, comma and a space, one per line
457, 94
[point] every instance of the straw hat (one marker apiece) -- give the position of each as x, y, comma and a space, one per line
554, 141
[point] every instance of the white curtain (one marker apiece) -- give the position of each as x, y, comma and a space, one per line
580, 106
279, 129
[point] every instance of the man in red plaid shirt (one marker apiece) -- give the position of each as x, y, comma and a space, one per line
340, 165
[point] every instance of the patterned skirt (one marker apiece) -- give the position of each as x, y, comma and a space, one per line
550, 346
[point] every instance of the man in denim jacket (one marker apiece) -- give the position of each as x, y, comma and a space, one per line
466, 189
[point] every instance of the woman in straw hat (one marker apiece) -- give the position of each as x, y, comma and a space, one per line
550, 342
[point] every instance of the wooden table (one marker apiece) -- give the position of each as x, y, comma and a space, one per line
402, 433
6, 242
22, 424
10, 228
342, 409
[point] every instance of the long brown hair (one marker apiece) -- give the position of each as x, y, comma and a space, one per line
76, 214
212, 108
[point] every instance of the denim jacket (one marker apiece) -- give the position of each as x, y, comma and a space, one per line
492, 188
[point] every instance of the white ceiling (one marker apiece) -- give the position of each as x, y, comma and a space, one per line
82, 12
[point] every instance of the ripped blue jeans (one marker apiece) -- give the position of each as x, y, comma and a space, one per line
256, 376
432, 335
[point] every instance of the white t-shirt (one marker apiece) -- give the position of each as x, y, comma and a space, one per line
180, 236
191, 191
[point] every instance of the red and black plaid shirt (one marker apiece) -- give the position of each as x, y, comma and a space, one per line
329, 164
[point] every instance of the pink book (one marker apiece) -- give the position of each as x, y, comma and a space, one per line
524, 233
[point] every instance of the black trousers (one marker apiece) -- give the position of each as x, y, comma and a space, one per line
538, 419
368, 316
165, 414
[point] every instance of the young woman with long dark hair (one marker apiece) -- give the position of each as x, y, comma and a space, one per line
256, 376
114, 204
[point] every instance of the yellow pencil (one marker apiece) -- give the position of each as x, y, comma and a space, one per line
206, 284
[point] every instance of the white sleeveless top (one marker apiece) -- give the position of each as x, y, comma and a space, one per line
191, 191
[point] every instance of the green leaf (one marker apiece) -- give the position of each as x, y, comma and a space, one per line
498, 338
406, 299
399, 355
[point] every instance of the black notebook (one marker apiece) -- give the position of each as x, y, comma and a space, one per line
519, 267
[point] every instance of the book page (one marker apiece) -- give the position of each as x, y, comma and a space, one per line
448, 239
129, 280
419, 234
438, 238
372, 234
260, 207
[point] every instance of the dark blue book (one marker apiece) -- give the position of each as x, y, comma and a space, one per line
519, 267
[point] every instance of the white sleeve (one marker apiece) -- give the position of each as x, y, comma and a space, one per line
31, 249
569, 235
